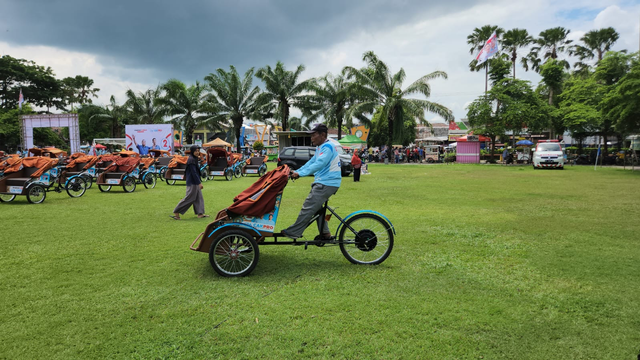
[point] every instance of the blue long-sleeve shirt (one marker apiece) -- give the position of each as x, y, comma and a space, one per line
325, 165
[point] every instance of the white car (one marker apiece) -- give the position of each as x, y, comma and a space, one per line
548, 155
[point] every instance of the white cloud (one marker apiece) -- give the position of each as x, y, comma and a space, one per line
109, 79
433, 43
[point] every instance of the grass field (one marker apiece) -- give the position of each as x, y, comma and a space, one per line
489, 262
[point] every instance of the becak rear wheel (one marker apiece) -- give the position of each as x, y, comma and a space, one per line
149, 180
234, 253
237, 172
372, 241
228, 174
262, 170
6, 197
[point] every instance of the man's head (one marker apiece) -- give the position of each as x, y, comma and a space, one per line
318, 134
152, 140
144, 142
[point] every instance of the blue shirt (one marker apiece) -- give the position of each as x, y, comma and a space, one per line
325, 165
143, 149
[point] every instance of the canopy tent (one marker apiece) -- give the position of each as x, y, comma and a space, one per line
480, 138
216, 143
351, 140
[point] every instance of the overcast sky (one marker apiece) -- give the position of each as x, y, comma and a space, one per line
139, 44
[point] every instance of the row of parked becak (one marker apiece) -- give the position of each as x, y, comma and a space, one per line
50, 169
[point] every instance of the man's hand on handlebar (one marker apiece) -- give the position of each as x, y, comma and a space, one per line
294, 175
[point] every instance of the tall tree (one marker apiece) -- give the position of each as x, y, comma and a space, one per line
79, 90
37, 83
621, 104
513, 40
596, 44
233, 98
379, 87
283, 90
335, 96
549, 44
189, 107
146, 106
113, 114
476, 40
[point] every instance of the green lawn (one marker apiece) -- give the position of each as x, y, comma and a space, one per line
489, 262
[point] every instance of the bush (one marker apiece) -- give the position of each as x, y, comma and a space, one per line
258, 145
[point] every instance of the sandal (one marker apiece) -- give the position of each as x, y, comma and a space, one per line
174, 217
203, 216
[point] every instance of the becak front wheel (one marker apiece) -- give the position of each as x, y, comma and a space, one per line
228, 174
234, 253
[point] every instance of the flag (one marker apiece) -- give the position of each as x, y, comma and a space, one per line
489, 49
20, 99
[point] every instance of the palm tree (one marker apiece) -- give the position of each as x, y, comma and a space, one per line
144, 106
477, 39
114, 114
513, 40
189, 107
283, 91
335, 96
551, 43
233, 98
378, 87
79, 90
596, 44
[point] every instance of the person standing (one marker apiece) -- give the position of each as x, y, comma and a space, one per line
357, 164
194, 188
325, 166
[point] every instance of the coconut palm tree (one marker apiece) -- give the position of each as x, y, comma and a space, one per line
380, 88
477, 39
233, 98
512, 41
145, 106
283, 91
189, 107
596, 44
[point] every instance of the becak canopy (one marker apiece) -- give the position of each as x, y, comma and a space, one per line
214, 153
260, 198
126, 164
178, 159
42, 163
147, 162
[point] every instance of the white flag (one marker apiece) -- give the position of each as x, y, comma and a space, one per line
20, 99
489, 49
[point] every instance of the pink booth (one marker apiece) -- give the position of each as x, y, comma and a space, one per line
468, 149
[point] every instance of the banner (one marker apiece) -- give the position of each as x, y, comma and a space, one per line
490, 48
142, 138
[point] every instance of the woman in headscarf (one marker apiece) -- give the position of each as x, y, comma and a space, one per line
194, 188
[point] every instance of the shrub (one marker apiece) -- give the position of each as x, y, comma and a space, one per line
258, 145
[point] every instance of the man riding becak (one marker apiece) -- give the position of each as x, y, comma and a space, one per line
325, 166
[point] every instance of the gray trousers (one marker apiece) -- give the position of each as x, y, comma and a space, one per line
317, 196
193, 197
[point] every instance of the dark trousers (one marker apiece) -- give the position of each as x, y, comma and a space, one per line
356, 174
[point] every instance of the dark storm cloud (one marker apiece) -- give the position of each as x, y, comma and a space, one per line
189, 39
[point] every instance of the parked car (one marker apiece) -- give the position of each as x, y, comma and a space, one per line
296, 156
548, 154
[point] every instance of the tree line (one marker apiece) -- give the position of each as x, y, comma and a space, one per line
596, 96
372, 95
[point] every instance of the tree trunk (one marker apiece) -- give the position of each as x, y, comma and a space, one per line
513, 60
390, 117
285, 115
486, 78
339, 121
493, 146
237, 126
